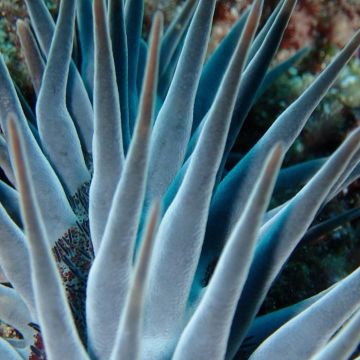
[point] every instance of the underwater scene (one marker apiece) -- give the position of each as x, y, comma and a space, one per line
179, 179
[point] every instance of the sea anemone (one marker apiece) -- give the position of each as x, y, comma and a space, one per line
122, 235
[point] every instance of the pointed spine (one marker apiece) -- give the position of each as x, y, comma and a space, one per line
344, 343
206, 334
77, 98
129, 334
306, 333
268, 27
252, 77
108, 152
215, 67
279, 236
86, 35
53, 203
58, 329
256, 71
182, 227
117, 29
57, 131
117, 246
232, 192
134, 13
173, 124
174, 33
214, 70
31, 51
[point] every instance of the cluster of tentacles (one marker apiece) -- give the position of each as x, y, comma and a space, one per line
119, 203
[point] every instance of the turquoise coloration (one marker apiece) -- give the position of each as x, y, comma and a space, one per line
120, 205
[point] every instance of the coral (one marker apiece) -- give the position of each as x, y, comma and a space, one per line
136, 239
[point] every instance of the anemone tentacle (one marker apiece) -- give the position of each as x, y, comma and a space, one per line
123, 235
